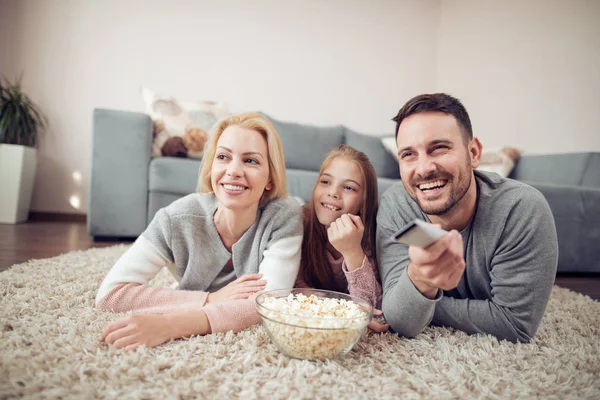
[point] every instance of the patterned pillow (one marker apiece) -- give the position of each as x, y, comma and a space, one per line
181, 128
498, 160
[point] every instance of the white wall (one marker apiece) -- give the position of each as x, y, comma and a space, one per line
527, 71
315, 61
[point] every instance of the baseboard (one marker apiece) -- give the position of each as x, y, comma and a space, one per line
56, 216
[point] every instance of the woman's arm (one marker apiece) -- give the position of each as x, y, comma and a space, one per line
279, 267
235, 315
133, 331
125, 287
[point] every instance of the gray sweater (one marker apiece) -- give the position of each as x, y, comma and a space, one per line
511, 254
185, 234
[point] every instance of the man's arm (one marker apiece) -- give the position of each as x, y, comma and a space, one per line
522, 274
406, 310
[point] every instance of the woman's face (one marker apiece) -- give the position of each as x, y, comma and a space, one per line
240, 170
340, 190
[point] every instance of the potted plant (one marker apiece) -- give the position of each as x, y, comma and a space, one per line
20, 123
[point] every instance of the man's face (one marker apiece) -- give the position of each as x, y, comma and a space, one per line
435, 163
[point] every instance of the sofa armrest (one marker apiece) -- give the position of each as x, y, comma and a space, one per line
121, 152
576, 213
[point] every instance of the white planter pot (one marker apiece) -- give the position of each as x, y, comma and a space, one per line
17, 175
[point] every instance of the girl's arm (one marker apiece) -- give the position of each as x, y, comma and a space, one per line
363, 283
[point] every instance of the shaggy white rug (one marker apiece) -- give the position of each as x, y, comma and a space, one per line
49, 348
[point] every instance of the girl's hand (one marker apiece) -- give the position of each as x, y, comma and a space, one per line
378, 324
132, 331
345, 235
242, 288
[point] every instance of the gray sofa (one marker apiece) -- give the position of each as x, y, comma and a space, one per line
128, 187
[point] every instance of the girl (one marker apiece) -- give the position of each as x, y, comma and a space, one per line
214, 243
338, 249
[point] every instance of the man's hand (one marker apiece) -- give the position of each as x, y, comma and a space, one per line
345, 235
242, 288
439, 266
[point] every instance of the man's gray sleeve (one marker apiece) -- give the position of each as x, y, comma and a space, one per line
406, 310
522, 274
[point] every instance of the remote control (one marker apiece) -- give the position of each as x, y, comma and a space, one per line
419, 233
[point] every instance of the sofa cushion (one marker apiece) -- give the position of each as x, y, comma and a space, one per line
305, 146
300, 183
173, 175
386, 166
384, 184
591, 175
559, 169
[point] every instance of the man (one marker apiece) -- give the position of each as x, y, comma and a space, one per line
494, 270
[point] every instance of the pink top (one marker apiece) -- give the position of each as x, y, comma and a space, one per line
361, 283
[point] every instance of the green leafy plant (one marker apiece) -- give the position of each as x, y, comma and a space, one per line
20, 118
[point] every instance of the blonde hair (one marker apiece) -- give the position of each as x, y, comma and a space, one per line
262, 125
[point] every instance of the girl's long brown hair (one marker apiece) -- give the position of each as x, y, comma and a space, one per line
314, 244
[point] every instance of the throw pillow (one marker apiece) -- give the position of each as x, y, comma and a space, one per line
498, 160
181, 128
389, 142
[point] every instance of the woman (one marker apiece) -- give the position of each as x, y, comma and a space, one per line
338, 252
242, 234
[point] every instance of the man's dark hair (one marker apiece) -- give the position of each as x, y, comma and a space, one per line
439, 102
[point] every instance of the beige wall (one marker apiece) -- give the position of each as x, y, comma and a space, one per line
526, 70
324, 62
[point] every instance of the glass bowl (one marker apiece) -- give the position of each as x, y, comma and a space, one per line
298, 331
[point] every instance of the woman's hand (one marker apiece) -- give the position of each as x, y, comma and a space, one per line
150, 330
242, 288
345, 235
378, 324
133, 331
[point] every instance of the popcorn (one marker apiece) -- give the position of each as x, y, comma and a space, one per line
309, 327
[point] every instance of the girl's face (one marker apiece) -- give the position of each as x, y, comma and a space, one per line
339, 191
240, 170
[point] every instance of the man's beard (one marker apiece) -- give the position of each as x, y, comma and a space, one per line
457, 193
